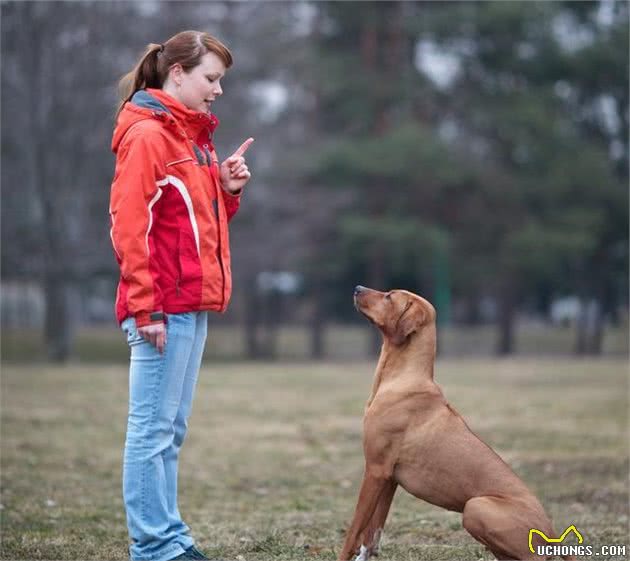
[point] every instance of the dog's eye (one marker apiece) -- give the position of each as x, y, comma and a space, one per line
388, 295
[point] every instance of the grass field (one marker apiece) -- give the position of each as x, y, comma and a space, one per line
273, 460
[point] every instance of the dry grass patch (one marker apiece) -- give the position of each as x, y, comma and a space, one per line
273, 459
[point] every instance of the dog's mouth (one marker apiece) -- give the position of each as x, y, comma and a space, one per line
357, 306
363, 313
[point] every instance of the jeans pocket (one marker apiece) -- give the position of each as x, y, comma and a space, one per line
131, 331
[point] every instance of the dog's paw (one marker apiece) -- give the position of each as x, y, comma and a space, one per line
364, 554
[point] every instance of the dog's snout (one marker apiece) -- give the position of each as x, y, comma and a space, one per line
358, 289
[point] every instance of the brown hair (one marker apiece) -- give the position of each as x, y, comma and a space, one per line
185, 48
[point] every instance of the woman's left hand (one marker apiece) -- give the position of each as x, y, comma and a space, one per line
234, 172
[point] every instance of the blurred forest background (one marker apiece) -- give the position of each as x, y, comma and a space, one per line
473, 152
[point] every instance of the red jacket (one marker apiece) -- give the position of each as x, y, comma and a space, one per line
168, 211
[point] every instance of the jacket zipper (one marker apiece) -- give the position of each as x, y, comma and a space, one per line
215, 204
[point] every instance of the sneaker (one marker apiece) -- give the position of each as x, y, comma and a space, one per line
183, 556
194, 553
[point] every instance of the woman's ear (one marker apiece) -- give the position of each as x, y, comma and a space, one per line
175, 74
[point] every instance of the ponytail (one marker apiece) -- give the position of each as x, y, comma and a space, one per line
146, 74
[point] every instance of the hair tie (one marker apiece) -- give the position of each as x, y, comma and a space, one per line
161, 48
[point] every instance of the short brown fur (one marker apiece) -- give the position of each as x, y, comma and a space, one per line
414, 438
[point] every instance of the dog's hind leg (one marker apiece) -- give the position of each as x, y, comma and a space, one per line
503, 526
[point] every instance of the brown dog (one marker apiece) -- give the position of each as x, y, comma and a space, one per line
414, 438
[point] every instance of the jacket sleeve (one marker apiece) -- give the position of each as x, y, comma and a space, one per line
232, 202
134, 194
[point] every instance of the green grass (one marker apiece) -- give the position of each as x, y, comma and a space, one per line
273, 459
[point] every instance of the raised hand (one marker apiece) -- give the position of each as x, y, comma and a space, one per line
234, 172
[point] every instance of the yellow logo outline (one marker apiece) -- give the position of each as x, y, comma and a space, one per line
570, 529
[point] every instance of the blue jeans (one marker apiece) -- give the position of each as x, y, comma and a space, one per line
161, 390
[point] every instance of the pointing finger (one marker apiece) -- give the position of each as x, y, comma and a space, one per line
243, 147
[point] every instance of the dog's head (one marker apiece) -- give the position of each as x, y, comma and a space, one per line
397, 313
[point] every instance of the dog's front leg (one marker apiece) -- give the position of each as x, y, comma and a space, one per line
373, 487
372, 534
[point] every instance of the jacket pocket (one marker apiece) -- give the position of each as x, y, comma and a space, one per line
188, 261
180, 160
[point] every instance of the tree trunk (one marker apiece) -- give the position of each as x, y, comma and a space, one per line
589, 328
597, 336
317, 322
42, 88
580, 333
57, 330
272, 318
505, 342
252, 319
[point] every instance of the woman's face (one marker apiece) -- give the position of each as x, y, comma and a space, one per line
199, 87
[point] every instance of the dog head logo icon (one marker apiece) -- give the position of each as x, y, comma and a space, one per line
570, 529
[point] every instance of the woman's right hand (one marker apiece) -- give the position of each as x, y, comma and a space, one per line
155, 334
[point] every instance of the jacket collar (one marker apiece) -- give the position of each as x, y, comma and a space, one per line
195, 123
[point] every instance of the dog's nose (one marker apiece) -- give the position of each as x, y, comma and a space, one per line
358, 289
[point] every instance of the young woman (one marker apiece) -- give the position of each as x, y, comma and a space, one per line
170, 206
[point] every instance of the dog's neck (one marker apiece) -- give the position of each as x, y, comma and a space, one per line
410, 363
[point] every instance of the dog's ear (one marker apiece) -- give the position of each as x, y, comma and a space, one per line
409, 321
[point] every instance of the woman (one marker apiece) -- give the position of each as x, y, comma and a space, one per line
170, 205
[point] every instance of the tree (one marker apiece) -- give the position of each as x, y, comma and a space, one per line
525, 105
377, 147
56, 168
